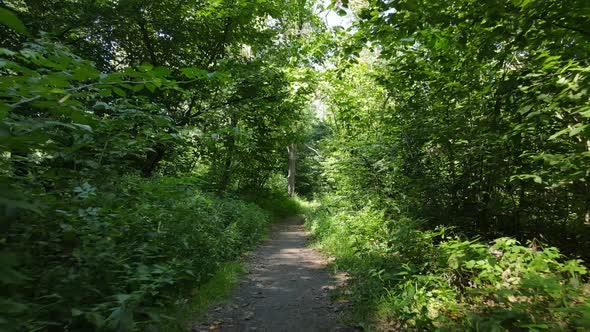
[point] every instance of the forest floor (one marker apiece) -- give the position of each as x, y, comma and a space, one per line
286, 288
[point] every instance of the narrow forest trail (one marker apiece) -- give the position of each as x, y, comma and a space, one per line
286, 288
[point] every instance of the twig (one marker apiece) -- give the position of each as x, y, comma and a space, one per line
314, 150
24, 101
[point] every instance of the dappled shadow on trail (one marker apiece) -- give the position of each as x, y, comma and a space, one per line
286, 289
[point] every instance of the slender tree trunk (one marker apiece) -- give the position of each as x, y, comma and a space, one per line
292, 149
147, 41
225, 180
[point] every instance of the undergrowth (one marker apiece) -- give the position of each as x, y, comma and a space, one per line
193, 306
406, 278
114, 257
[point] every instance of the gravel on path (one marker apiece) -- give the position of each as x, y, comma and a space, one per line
286, 288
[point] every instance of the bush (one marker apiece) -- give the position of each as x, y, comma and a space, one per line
111, 257
432, 280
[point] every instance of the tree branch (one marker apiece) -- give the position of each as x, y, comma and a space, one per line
584, 32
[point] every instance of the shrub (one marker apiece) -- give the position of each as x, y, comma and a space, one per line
111, 257
433, 280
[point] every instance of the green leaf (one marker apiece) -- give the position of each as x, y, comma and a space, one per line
121, 320
578, 128
573, 131
119, 92
10, 20
535, 178
83, 126
470, 264
150, 87
7, 52
77, 312
100, 105
122, 298
145, 67
9, 306
559, 133
161, 71
193, 72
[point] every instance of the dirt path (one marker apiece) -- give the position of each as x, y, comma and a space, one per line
286, 289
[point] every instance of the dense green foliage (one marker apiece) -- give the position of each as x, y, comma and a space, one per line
456, 163
133, 134
480, 119
112, 256
413, 279
143, 144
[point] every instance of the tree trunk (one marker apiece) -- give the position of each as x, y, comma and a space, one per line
292, 149
230, 143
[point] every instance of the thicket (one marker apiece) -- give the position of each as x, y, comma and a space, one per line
405, 277
141, 143
473, 115
116, 258
455, 164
